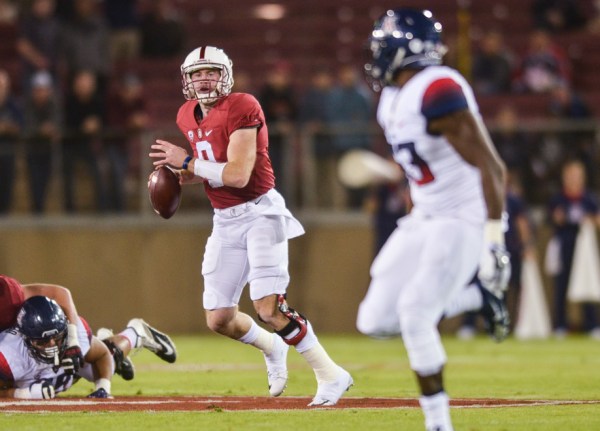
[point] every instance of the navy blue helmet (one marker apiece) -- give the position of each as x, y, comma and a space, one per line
403, 39
43, 326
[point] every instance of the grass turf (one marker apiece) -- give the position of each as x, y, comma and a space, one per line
211, 365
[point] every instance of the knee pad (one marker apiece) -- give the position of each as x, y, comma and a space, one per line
423, 345
294, 331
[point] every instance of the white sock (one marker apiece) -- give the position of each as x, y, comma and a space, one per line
436, 409
134, 339
468, 299
325, 369
259, 338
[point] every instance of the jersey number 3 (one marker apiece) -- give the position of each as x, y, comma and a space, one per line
414, 166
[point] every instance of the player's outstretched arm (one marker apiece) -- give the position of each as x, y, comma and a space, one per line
60, 294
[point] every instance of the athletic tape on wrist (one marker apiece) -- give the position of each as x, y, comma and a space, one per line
210, 170
22, 393
72, 335
493, 232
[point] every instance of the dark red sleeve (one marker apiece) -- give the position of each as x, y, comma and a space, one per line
87, 327
11, 300
443, 96
245, 112
6, 374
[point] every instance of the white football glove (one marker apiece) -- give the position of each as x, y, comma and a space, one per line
37, 391
494, 266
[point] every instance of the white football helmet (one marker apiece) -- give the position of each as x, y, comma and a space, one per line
207, 57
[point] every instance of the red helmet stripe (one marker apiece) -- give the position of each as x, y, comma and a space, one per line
202, 51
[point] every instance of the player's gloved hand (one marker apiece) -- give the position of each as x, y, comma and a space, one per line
494, 266
100, 393
72, 359
37, 391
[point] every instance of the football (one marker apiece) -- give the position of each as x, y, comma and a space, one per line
165, 192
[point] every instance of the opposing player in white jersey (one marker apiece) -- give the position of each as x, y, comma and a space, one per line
31, 352
228, 136
431, 120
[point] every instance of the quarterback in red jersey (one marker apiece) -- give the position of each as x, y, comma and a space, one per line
249, 242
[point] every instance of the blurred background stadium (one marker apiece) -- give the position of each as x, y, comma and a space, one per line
121, 260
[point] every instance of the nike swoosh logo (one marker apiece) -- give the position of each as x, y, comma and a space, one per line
208, 133
168, 349
257, 201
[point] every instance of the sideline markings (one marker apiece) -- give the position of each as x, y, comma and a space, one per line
181, 404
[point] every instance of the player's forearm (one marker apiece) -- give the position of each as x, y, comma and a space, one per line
60, 294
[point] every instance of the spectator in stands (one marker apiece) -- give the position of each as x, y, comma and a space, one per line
567, 104
124, 29
8, 11
315, 123
84, 118
126, 118
350, 114
566, 211
11, 123
493, 65
84, 44
558, 15
38, 41
43, 123
544, 66
280, 105
162, 31
513, 145
387, 202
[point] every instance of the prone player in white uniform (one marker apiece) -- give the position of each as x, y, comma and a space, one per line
31, 352
431, 120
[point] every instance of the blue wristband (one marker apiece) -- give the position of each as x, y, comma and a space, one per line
186, 162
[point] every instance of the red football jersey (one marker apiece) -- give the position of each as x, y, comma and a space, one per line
12, 298
209, 140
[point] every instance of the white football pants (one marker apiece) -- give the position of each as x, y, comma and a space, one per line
424, 263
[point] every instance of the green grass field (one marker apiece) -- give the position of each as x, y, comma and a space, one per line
209, 365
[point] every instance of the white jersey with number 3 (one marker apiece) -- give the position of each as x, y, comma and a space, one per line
441, 182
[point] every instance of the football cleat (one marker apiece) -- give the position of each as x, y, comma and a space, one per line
329, 393
152, 339
277, 373
495, 314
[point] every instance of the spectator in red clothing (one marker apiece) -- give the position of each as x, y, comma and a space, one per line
544, 66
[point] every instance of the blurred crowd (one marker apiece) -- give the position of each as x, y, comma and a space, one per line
63, 108
74, 111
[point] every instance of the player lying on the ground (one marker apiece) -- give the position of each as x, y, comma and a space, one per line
31, 352
12, 296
